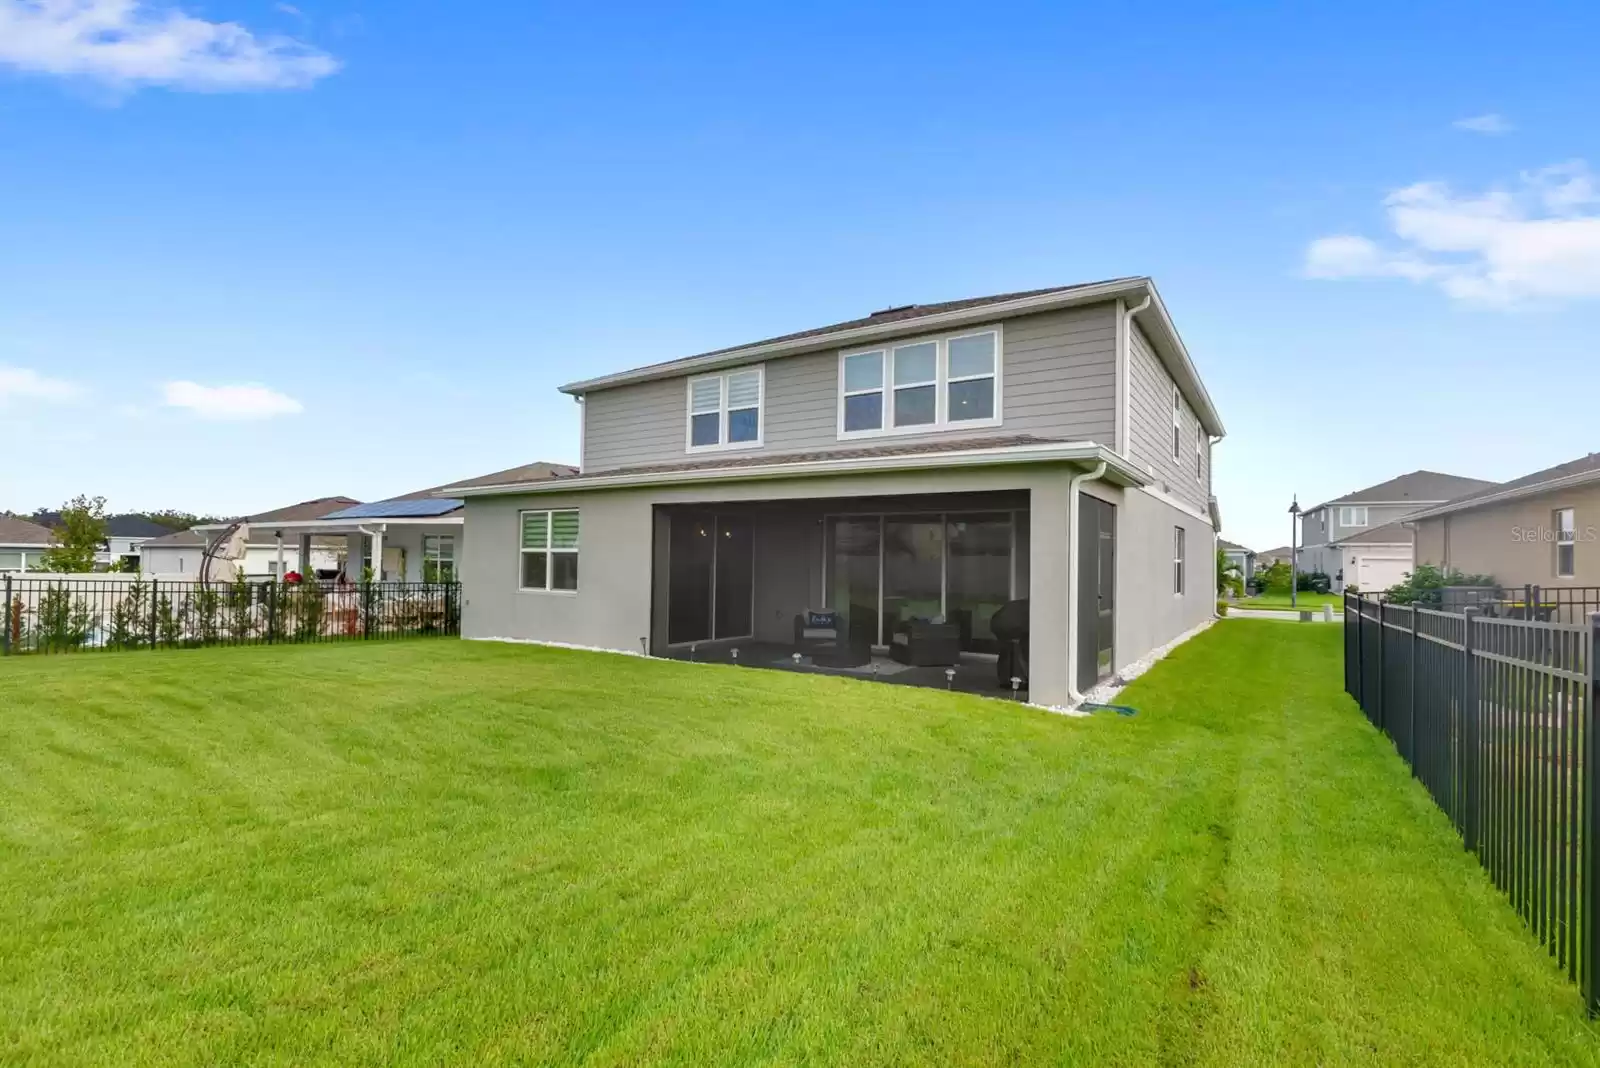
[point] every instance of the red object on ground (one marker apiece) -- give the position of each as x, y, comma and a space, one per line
292, 577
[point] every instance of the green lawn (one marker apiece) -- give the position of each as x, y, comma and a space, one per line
444, 852
1313, 601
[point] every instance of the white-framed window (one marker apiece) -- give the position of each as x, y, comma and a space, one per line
725, 410
1199, 457
929, 383
550, 551
1353, 515
13, 560
1177, 561
438, 558
1177, 423
1566, 524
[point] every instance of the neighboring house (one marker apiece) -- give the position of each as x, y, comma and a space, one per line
1541, 529
1239, 557
1269, 557
922, 462
124, 535
415, 537
22, 544
264, 552
1357, 539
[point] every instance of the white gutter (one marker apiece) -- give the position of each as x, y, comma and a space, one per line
1073, 696
1047, 452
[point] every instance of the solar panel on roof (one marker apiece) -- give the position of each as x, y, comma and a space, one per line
416, 509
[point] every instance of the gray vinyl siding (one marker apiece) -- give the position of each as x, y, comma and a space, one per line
1058, 380
1318, 532
1150, 428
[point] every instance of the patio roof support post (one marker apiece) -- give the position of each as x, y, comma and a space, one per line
278, 538
304, 564
1073, 489
377, 554
352, 557
1049, 590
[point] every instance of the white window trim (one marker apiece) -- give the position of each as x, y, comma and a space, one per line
1180, 563
941, 418
549, 528
439, 541
1351, 510
723, 444
1199, 457
1177, 424
1568, 536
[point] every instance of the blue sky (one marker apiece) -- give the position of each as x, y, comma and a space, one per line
353, 248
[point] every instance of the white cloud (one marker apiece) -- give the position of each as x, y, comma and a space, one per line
20, 383
1492, 124
1539, 239
233, 403
129, 43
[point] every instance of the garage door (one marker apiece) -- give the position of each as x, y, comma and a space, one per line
1380, 571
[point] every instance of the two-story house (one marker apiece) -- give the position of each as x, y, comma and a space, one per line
1359, 539
922, 463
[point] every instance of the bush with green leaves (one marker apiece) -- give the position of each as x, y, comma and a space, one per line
1314, 582
206, 604
62, 621
130, 618
1230, 581
241, 608
1425, 584
1275, 577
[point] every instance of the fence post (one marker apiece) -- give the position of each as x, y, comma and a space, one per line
153, 585
1472, 735
5, 639
272, 612
1591, 827
1411, 701
1378, 696
1361, 658
366, 610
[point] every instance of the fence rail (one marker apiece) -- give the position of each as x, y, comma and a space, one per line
55, 615
1494, 710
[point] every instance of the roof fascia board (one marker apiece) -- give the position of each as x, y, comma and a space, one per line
1125, 473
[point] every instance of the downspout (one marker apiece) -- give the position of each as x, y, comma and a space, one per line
1073, 696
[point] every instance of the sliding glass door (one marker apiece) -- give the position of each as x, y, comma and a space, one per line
913, 570
711, 577
978, 575
961, 567
854, 564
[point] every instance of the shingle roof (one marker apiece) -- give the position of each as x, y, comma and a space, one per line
902, 313
15, 531
133, 526
823, 455
537, 471
1421, 487
313, 509
1280, 553
177, 539
1583, 465
1223, 543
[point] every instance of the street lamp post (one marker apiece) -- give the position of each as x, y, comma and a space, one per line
1294, 552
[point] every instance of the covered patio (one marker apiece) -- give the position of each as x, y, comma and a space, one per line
898, 589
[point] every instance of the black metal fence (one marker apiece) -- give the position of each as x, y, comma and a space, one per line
68, 615
1495, 715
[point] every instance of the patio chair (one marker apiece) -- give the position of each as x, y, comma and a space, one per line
824, 635
926, 643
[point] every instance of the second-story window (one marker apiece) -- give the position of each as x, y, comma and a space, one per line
1177, 423
1352, 516
725, 410
1566, 542
926, 384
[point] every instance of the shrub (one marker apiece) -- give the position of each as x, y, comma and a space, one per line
1314, 582
1222, 608
64, 621
1425, 585
1274, 578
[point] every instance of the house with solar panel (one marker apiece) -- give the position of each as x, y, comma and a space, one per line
415, 537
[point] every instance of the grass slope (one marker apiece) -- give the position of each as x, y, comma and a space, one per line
429, 852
